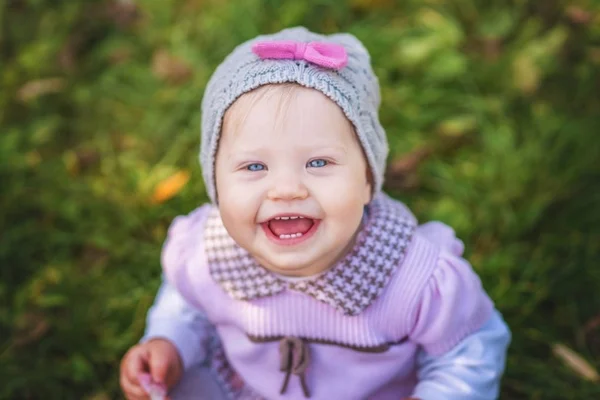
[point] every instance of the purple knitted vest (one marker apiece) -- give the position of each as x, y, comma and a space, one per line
361, 308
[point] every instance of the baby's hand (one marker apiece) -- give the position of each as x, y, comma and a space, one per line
159, 358
156, 391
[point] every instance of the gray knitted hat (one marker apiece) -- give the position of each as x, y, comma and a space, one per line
354, 88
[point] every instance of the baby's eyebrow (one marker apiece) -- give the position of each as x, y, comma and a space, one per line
260, 152
323, 148
245, 154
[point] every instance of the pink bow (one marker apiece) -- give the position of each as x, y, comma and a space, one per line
326, 55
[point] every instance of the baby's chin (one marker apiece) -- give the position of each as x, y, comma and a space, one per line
292, 265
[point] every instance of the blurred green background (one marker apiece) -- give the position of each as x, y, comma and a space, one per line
492, 110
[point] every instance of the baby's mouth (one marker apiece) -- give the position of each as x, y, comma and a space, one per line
290, 227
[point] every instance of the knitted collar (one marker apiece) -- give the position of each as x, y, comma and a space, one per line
350, 286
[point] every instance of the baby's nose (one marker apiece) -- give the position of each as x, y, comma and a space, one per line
287, 188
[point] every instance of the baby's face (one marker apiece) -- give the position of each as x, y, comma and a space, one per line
291, 179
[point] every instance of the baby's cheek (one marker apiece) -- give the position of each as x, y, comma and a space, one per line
346, 215
236, 222
344, 199
332, 190
234, 208
233, 195
238, 210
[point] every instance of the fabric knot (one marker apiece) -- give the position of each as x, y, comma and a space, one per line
299, 51
294, 359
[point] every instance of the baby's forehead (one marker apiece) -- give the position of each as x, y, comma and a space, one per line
285, 107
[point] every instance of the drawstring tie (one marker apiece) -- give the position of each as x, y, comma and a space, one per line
294, 359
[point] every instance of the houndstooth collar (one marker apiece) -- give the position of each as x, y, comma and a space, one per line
350, 286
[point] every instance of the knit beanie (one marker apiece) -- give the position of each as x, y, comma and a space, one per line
352, 85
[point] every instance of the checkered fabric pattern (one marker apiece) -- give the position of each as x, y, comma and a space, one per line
350, 286
234, 268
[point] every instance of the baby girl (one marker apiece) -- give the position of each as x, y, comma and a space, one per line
302, 278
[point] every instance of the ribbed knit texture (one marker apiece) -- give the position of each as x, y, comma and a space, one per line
354, 88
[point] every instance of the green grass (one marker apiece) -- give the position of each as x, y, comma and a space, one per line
504, 98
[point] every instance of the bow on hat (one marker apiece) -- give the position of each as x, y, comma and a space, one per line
328, 55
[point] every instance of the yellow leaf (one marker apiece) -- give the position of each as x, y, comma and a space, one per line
526, 74
576, 362
170, 68
169, 187
33, 158
34, 89
457, 126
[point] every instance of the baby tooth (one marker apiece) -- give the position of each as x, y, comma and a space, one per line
290, 236
285, 217
293, 217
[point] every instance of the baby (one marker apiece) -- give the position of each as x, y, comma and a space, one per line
301, 278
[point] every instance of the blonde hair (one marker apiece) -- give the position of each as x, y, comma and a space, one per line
238, 112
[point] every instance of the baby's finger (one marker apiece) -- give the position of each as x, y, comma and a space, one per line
132, 391
136, 363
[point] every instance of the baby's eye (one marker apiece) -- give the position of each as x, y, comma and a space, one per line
318, 163
255, 167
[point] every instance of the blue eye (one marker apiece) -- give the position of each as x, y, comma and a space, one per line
255, 167
318, 163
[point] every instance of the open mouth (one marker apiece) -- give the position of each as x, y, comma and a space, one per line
290, 229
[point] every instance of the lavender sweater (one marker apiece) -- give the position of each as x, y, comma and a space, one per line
422, 328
